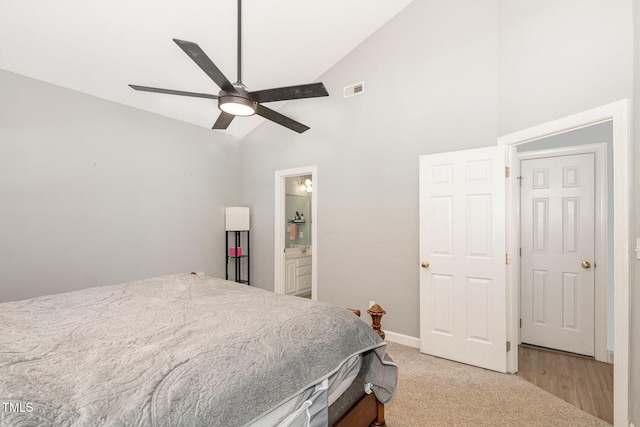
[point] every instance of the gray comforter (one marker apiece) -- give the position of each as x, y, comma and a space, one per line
171, 351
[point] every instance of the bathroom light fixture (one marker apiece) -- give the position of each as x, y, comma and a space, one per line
305, 184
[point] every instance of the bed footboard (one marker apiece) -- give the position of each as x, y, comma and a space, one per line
368, 411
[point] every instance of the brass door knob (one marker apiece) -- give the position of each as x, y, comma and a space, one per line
425, 264
586, 265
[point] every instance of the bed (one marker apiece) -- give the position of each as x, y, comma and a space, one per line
186, 350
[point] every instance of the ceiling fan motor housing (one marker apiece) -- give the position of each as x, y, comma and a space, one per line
238, 104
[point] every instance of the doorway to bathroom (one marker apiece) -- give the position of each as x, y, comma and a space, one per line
296, 243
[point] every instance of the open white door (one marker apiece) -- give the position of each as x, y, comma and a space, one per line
463, 313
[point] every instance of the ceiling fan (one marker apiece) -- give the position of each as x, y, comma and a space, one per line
234, 99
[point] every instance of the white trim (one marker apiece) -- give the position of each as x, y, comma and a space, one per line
618, 112
279, 227
402, 339
600, 236
610, 357
512, 225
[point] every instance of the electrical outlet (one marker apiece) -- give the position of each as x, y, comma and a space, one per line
301, 234
371, 303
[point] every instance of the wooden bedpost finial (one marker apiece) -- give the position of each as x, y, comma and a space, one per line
376, 312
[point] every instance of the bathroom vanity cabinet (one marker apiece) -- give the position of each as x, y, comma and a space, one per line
298, 275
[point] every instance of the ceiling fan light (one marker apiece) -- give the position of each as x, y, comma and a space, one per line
236, 105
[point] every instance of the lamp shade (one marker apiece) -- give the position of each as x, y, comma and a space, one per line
237, 218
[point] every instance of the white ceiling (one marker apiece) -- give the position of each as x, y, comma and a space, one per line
99, 47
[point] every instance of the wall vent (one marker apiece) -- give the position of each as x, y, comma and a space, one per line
353, 90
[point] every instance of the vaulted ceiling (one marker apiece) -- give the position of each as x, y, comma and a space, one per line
99, 47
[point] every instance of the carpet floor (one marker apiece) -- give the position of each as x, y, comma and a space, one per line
438, 392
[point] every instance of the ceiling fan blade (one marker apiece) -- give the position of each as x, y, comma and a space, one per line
203, 61
276, 117
173, 92
224, 120
311, 90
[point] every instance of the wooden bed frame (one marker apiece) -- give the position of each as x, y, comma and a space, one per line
368, 411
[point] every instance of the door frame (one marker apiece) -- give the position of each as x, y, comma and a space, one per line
617, 112
600, 233
279, 227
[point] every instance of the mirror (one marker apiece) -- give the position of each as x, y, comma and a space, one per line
297, 213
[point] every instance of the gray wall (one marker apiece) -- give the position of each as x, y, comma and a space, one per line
430, 85
438, 77
561, 57
635, 264
95, 193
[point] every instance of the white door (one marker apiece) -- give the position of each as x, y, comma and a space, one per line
557, 240
462, 238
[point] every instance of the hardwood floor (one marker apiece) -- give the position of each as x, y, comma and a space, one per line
581, 381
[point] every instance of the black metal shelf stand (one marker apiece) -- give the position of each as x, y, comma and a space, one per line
238, 237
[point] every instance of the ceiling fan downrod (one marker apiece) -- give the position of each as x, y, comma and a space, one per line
239, 41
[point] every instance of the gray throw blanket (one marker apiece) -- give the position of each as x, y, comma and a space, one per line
175, 350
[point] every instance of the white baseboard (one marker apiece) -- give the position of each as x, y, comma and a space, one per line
415, 342
402, 339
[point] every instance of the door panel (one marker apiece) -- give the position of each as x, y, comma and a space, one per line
462, 237
290, 276
557, 235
